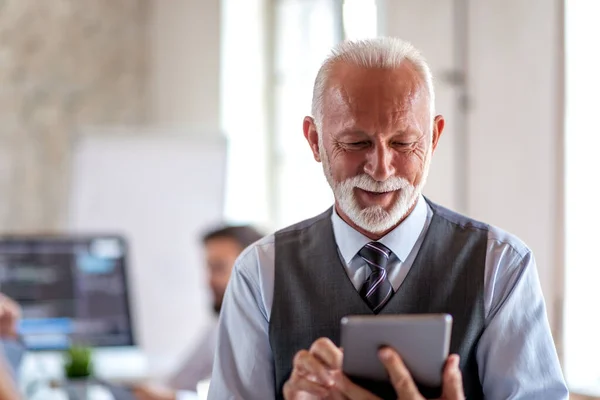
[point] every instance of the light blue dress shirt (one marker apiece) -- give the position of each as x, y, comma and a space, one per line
515, 354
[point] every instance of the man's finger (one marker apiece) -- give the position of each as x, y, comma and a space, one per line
335, 394
5, 320
399, 376
351, 390
294, 386
326, 351
139, 394
452, 379
306, 363
10, 314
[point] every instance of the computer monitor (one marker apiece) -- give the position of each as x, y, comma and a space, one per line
72, 289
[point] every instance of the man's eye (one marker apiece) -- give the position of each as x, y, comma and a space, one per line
358, 145
401, 144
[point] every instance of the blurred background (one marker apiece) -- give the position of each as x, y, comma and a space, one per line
151, 120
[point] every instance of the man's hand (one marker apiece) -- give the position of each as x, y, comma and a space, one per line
402, 381
152, 392
452, 382
10, 313
313, 373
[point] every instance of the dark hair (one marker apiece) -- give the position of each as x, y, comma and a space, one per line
244, 235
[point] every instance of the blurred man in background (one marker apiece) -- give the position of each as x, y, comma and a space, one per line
221, 248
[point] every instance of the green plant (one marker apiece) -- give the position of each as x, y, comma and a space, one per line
78, 362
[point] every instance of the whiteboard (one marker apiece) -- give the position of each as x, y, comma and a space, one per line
159, 189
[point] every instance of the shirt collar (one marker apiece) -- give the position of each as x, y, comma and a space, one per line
400, 240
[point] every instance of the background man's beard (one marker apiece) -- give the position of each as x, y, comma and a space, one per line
374, 219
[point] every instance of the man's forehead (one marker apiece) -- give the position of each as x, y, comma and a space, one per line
399, 87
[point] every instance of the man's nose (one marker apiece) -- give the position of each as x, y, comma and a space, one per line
379, 163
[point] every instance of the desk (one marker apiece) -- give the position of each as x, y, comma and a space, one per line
95, 392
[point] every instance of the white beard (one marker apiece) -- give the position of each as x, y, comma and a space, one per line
375, 219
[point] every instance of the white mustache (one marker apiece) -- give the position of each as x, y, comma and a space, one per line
365, 182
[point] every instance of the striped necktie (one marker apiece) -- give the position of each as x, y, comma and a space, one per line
377, 289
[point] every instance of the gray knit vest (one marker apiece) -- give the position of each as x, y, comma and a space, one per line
312, 292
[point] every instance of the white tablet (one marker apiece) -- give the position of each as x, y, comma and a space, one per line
422, 340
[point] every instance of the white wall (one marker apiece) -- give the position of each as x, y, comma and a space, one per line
515, 126
582, 275
513, 160
244, 57
161, 206
184, 65
184, 87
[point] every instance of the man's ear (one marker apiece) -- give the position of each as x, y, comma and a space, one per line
312, 136
438, 128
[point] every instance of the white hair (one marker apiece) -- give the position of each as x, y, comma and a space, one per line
381, 52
